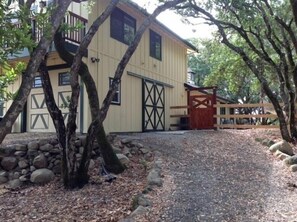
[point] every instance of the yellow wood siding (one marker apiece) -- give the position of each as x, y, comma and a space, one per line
80, 9
171, 70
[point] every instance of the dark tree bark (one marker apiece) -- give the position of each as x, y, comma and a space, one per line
110, 159
27, 78
107, 153
56, 115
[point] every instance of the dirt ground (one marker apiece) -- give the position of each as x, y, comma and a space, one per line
208, 176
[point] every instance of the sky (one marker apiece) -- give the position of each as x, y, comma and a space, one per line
174, 22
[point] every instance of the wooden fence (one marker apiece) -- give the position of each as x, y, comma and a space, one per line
237, 117
182, 120
183, 117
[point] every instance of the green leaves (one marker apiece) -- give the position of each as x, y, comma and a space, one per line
10, 74
218, 65
14, 31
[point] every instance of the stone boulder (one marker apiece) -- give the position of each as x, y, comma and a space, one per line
20, 153
126, 141
21, 147
33, 146
293, 168
14, 184
144, 150
55, 151
154, 178
126, 151
24, 178
7, 151
140, 210
280, 155
267, 142
46, 147
92, 164
23, 164
3, 179
291, 160
9, 163
57, 169
143, 201
42, 142
40, 161
3, 173
123, 159
42, 176
116, 150
282, 146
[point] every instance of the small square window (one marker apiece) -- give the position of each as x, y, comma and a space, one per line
117, 97
37, 82
155, 45
64, 78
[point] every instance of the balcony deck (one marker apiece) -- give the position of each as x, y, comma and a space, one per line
72, 37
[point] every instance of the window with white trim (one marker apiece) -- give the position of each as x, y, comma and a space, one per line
117, 97
37, 82
64, 78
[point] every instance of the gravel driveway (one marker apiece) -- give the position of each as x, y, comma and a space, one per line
221, 176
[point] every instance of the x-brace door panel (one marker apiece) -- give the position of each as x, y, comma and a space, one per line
201, 112
153, 118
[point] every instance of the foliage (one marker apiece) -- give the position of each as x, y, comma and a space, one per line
198, 62
263, 35
233, 78
14, 31
9, 76
217, 65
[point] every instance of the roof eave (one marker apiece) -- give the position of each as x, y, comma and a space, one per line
145, 13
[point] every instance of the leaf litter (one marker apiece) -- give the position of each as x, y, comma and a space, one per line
208, 176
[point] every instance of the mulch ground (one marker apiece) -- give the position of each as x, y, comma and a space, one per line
222, 176
208, 176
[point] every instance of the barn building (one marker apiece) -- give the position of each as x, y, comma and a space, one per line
153, 81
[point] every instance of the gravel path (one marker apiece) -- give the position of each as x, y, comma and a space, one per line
222, 176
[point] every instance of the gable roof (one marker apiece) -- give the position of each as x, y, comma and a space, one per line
191, 87
162, 26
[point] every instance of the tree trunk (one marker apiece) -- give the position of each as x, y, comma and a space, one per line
27, 78
111, 161
56, 116
294, 72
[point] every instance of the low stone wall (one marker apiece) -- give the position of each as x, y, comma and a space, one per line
35, 161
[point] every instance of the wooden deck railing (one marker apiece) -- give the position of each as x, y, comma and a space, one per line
73, 35
73, 19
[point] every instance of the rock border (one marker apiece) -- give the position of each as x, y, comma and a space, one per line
282, 150
140, 203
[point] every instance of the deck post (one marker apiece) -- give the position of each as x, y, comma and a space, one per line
214, 102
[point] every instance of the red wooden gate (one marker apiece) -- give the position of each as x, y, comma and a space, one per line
201, 111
